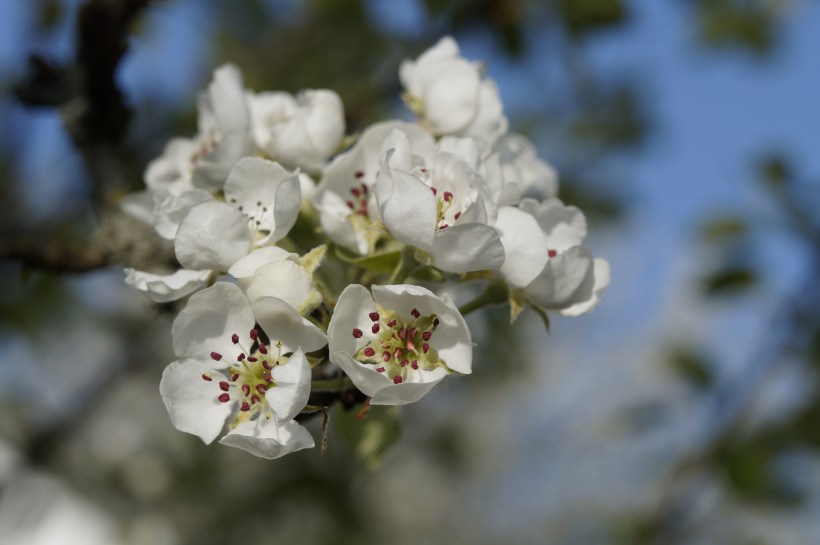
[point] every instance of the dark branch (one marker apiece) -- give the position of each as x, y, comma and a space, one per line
53, 256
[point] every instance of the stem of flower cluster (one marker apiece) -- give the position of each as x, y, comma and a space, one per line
330, 385
407, 264
494, 294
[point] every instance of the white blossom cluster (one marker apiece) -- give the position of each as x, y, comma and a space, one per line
451, 196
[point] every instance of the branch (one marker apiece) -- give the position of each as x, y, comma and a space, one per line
53, 256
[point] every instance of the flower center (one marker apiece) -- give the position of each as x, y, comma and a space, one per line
357, 201
255, 217
401, 346
246, 382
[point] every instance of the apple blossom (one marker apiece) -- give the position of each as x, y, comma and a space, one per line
231, 373
398, 343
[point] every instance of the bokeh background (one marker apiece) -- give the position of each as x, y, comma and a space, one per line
684, 410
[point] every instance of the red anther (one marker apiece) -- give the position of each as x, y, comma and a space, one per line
246, 390
263, 349
397, 353
402, 333
245, 407
224, 398
235, 338
266, 365
444, 226
436, 322
375, 328
268, 377
414, 364
448, 196
356, 191
255, 399
216, 356
386, 356
359, 174
261, 388
404, 363
412, 332
240, 357
206, 377
552, 253
425, 347
224, 386
434, 190
423, 170
369, 352
252, 359
374, 316
364, 189
391, 323
458, 215
357, 333
254, 334
349, 204
426, 335
380, 369
234, 377
397, 379
415, 313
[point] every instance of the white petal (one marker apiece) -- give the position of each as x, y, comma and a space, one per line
212, 236
467, 247
290, 395
171, 208
285, 280
249, 264
227, 97
352, 309
191, 401
283, 323
563, 226
363, 376
286, 207
524, 246
563, 277
213, 168
489, 122
209, 319
162, 288
602, 277
404, 393
407, 206
266, 439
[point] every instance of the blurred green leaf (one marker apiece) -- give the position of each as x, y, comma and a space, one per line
775, 170
585, 15
728, 281
720, 229
692, 366
369, 437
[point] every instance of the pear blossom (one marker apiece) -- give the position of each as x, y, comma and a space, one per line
398, 343
440, 207
190, 170
545, 258
262, 202
345, 197
514, 171
301, 131
274, 272
234, 377
452, 95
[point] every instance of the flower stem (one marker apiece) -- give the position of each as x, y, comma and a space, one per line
494, 294
407, 264
330, 385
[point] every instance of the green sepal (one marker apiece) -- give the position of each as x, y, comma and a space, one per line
381, 263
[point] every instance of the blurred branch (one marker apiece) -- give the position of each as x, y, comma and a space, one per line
53, 256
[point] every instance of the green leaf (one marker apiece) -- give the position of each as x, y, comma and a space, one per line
692, 366
382, 263
728, 281
723, 228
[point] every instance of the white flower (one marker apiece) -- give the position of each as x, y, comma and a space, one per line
302, 131
230, 373
515, 171
344, 197
399, 343
451, 94
274, 272
162, 288
545, 258
440, 207
262, 202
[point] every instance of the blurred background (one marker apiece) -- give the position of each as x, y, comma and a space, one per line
683, 410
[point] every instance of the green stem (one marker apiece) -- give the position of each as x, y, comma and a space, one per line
407, 264
495, 294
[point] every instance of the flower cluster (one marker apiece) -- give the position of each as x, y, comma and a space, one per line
310, 248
